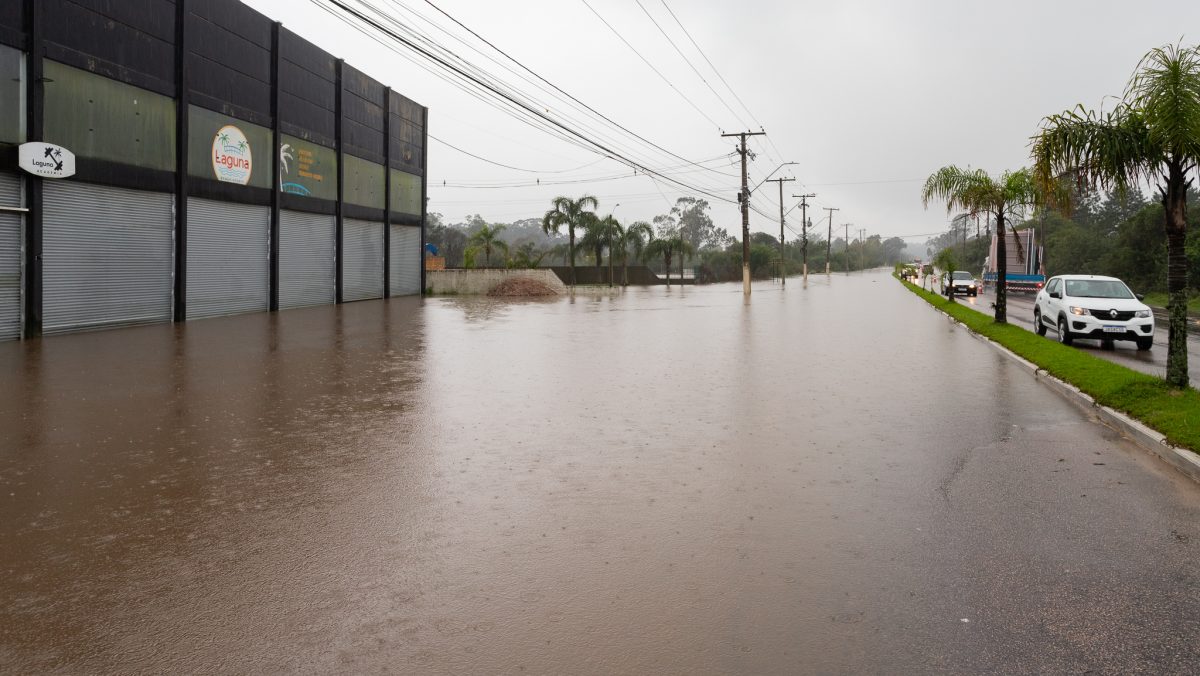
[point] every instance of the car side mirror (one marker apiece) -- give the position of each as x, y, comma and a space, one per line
1140, 296
1055, 294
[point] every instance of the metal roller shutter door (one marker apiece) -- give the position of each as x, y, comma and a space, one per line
228, 258
406, 260
11, 257
362, 259
306, 259
108, 256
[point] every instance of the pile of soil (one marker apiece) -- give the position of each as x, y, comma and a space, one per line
522, 286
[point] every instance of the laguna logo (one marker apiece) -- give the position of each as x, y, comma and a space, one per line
232, 160
46, 160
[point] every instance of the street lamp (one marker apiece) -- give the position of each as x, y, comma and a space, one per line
770, 175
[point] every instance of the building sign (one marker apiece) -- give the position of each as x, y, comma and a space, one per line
231, 157
307, 169
46, 160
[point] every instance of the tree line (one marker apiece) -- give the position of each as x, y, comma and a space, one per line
575, 231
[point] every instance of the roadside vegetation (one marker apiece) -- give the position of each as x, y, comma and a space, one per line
1174, 412
1151, 137
573, 232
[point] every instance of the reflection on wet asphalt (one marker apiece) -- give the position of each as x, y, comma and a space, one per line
826, 479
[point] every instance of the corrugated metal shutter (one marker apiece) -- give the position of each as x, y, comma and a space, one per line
362, 259
406, 260
228, 255
108, 256
306, 259
11, 257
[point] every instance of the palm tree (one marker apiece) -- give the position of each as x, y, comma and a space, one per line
605, 233
637, 235
593, 238
488, 238
570, 213
1153, 136
668, 247
973, 191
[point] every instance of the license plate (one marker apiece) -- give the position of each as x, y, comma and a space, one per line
1114, 329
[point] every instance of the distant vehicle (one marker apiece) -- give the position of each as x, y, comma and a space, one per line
1024, 272
959, 282
909, 273
1091, 306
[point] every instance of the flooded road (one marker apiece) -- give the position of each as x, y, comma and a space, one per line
831, 479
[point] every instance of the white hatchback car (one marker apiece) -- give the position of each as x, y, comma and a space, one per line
1091, 306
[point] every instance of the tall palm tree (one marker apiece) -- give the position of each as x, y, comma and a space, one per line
668, 247
488, 238
1153, 136
594, 239
636, 236
605, 233
570, 213
1005, 197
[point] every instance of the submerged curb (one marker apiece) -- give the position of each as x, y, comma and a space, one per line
1134, 430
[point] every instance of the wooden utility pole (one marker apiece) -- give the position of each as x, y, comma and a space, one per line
847, 227
829, 241
804, 231
782, 269
744, 200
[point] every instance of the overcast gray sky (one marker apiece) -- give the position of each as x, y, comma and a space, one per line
868, 97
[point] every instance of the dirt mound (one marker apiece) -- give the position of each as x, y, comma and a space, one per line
522, 286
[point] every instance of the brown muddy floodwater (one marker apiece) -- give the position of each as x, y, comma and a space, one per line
831, 479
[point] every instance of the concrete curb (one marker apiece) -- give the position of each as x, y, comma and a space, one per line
1136, 431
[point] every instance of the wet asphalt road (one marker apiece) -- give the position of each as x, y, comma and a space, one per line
1153, 361
824, 480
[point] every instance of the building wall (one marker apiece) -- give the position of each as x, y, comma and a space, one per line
216, 107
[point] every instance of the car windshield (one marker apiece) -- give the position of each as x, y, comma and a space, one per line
1097, 288
963, 275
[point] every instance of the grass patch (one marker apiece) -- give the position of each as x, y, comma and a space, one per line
1174, 413
1159, 299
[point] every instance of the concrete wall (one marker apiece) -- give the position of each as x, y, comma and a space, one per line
478, 282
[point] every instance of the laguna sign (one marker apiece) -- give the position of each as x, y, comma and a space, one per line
46, 160
231, 158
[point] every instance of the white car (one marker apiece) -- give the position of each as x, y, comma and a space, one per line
959, 282
1091, 306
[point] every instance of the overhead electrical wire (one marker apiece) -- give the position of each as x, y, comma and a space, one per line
551, 84
506, 166
650, 65
497, 91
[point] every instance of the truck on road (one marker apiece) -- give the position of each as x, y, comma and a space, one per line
1026, 271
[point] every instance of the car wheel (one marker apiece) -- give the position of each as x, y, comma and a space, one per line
1064, 334
1038, 326
1145, 343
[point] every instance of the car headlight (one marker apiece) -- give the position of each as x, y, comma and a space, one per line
1081, 311
1144, 313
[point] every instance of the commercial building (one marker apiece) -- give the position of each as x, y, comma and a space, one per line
169, 160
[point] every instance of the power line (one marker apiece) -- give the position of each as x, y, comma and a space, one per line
526, 108
506, 166
647, 62
690, 65
551, 84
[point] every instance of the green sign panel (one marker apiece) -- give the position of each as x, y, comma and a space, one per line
307, 169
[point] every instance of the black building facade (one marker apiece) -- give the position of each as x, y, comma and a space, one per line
223, 165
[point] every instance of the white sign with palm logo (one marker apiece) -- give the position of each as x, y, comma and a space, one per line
46, 160
231, 158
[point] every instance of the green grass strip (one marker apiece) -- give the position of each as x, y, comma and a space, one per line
1172, 412
1159, 299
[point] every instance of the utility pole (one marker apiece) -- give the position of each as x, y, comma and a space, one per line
804, 230
862, 248
847, 227
782, 269
830, 237
744, 199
